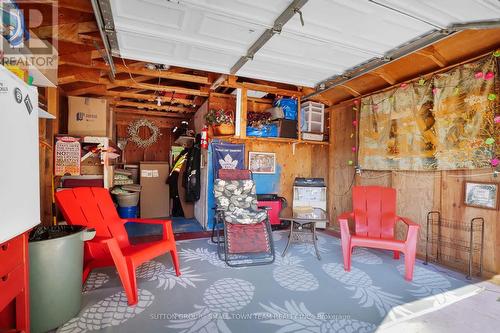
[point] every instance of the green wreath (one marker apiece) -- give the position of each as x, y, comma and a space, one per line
133, 133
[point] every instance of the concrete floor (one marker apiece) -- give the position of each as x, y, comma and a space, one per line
478, 313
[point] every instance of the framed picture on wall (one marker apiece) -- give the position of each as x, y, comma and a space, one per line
481, 195
259, 162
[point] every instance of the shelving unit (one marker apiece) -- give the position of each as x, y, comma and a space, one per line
241, 119
231, 138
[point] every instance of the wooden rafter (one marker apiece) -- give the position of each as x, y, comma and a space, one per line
152, 106
98, 89
70, 32
136, 84
150, 97
431, 53
382, 73
83, 6
166, 74
135, 111
350, 90
126, 82
156, 87
70, 74
231, 83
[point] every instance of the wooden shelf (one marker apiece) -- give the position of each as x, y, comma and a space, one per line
271, 140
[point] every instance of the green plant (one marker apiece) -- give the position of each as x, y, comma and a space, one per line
219, 117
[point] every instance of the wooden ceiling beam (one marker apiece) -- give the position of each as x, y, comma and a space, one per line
126, 82
434, 55
70, 74
155, 87
120, 68
99, 89
134, 70
68, 32
382, 73
144, 86
350, 90
153, 106
83, 6
150, 97
136, 111
230, 83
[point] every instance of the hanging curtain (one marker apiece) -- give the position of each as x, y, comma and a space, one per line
444, 123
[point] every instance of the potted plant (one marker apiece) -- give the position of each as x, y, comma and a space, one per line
221, 121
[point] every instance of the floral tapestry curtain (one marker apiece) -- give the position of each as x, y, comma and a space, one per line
441, 124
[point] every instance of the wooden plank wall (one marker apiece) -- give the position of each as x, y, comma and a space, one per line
418, 193
54, 102
160, 151
307, 161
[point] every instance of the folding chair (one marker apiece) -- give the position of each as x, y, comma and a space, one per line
247, 237
230, 174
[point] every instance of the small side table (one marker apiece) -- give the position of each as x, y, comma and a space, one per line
300, 226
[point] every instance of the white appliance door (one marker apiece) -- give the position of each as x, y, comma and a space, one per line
19, 175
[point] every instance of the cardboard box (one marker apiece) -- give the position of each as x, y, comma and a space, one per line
155, 195
89, 117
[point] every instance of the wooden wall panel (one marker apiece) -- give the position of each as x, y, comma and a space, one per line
341, 174
418, 193
307, 161
46, 131
453, 208
416, 196
160, 151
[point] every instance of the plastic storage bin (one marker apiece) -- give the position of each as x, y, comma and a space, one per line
127, 212
313, 117
266, 131
289, 106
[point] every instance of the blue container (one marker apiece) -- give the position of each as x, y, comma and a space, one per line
289, 106
127, 212
266, 131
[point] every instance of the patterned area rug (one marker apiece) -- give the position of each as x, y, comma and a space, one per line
298, 293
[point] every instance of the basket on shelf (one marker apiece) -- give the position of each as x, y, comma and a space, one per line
223, 129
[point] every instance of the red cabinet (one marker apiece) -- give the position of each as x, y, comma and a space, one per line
14, 285
274, 213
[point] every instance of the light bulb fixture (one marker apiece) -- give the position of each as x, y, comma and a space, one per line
158, 101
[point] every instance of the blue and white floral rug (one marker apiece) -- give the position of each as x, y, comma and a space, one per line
298, 293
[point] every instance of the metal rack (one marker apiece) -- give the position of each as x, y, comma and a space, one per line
462, 240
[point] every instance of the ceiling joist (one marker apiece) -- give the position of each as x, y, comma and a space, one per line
135, 111
152, 106
150, 97
434, 55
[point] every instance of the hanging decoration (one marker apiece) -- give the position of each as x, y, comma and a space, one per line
354, 148
445, 122
134, 129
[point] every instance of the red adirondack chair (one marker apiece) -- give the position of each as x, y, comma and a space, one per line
374, 214
93, 207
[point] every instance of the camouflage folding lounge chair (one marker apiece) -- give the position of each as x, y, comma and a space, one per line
247, 232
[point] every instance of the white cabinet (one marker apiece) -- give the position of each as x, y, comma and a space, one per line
309, 196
